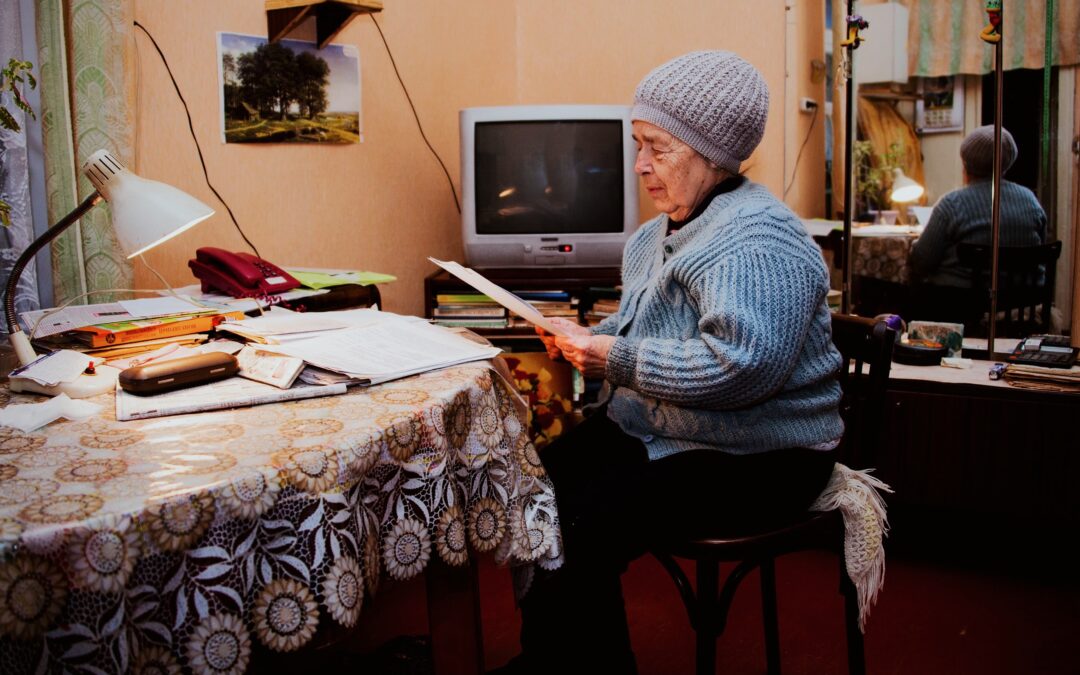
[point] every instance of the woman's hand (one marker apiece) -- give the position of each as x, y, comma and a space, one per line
568, 327
587, 353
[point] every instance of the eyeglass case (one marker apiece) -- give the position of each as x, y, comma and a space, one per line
161, 376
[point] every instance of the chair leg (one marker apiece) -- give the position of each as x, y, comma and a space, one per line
708, 588
767, 570
856, 654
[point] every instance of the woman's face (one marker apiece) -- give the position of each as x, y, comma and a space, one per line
675, 175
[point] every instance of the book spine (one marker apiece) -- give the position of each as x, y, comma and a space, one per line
474, 311
271, 397
198, 324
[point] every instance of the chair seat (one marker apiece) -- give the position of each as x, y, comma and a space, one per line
815, 529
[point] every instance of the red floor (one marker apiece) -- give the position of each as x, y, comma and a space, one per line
930, 619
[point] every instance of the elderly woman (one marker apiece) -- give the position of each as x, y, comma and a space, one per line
964, 215
720, 405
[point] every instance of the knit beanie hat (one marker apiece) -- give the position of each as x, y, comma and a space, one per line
977, 151
713, 101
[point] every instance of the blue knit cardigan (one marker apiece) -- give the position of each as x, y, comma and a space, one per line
724, 334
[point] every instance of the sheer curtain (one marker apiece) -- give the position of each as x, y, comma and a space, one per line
87, 71
944, 36
15, 173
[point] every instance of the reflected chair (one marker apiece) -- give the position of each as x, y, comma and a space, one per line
866, 348
1026, 276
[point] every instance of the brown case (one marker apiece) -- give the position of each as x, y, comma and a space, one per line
162, 376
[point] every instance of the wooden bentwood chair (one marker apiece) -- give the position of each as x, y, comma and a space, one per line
1026, 276
866, 347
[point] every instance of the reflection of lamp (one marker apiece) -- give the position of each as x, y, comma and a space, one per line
145, 213
904, 189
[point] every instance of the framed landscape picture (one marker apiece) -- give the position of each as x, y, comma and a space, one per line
288, 92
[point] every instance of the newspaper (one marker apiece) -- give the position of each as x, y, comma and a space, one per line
234, 392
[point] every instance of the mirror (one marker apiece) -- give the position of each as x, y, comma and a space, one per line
939, 113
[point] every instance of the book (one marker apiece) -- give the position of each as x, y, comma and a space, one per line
462, 298
135, 330
499, 295
467, 322
234, 392
469, 312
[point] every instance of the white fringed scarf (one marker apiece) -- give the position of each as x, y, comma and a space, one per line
866, 525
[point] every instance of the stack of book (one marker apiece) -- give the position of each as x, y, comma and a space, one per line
600, 310
468, 310
552, 303
127, 337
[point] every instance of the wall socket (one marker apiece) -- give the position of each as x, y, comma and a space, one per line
807, 104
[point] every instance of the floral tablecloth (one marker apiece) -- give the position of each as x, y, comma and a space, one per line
152, 545
882, 257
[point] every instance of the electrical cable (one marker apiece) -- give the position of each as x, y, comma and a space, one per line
449, 180
795, 169
198, 148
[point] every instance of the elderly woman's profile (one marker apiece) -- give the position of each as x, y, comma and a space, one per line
720, 407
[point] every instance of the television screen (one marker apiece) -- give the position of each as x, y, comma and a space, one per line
549, 177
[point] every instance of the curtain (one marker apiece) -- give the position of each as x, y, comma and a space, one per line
87, 87
15, 175
943, 36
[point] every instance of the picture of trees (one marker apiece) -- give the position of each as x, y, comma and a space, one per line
289, 91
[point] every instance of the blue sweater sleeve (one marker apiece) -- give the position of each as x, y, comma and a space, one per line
755, 309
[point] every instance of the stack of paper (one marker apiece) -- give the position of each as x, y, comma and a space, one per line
380, 346
1045, 379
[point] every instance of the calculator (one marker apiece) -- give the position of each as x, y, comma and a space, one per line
1050, 351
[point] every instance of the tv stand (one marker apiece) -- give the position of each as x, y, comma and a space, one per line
584, 283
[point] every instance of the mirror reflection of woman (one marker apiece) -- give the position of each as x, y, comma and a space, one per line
964, 215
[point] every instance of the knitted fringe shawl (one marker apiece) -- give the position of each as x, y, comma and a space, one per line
866, 525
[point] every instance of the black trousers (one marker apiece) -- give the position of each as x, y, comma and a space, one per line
614, 505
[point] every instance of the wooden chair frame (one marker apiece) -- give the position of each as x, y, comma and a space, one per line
866, 348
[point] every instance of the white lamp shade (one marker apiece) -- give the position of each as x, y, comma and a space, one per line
904, 189
145, 213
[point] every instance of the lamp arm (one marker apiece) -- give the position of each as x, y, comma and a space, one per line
31, 250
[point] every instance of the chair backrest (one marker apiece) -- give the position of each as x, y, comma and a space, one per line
866, 347
1026, 276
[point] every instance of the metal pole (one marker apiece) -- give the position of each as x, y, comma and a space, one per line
849, 170
995, 215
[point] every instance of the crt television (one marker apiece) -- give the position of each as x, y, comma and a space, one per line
547, 185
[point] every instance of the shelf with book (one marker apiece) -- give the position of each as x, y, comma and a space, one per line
565, 292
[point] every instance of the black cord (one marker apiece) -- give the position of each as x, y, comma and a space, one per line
191, 126
449, 180
795, 170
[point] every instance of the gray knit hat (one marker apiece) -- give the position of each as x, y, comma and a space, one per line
713, 101
977, 151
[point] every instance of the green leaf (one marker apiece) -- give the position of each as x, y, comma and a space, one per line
7, 121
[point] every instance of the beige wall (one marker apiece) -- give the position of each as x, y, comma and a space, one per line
384, 204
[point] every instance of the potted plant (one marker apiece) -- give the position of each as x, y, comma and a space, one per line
873, 180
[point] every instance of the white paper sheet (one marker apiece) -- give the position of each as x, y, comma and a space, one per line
500, 295
30, 416
53, 368
385, 350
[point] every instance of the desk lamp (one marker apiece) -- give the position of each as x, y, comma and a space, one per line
904, 189
145, 213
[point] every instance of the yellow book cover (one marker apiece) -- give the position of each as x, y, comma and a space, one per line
135, 330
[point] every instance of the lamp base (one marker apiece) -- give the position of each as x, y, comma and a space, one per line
104, 380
